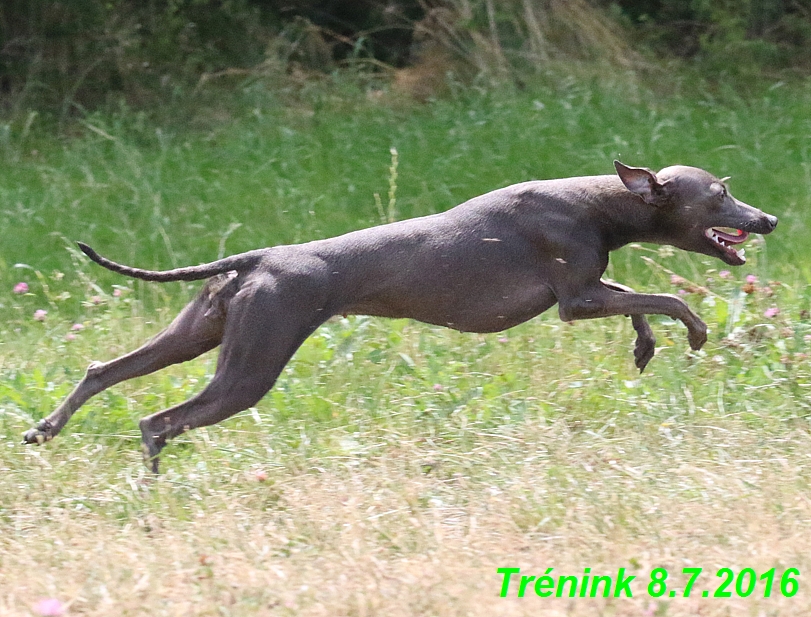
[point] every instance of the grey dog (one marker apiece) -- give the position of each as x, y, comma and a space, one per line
486, 265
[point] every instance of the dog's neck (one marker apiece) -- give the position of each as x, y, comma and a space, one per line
626, 218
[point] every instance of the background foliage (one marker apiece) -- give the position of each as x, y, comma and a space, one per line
68, 56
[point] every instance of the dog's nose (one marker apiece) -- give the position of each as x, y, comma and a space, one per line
772, 220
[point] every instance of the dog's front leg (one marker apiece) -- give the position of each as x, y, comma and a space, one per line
645, 345
598, 300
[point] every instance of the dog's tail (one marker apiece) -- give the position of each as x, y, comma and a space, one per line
190, 273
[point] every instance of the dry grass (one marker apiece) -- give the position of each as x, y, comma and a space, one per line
525, 37
399, 532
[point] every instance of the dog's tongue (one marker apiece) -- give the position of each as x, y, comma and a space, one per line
737, 238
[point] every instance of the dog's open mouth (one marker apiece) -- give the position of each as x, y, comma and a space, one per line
725, 238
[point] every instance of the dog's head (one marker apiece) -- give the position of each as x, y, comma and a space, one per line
696, 210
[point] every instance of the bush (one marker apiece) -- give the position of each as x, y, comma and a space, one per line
68, 55
62, 54
732, 36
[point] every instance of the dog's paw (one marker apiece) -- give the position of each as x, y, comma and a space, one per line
151, 445
697, 336
41, 433
644, 351
151, 458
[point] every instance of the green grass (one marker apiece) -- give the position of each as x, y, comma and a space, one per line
157, 195
412, 461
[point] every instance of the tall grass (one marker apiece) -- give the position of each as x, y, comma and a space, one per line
394, 466
159, 195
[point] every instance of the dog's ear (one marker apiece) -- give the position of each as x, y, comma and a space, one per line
641, 181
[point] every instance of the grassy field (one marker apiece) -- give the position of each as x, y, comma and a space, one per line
395, 466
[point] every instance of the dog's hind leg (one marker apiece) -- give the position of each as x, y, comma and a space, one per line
197, 329
264, 328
